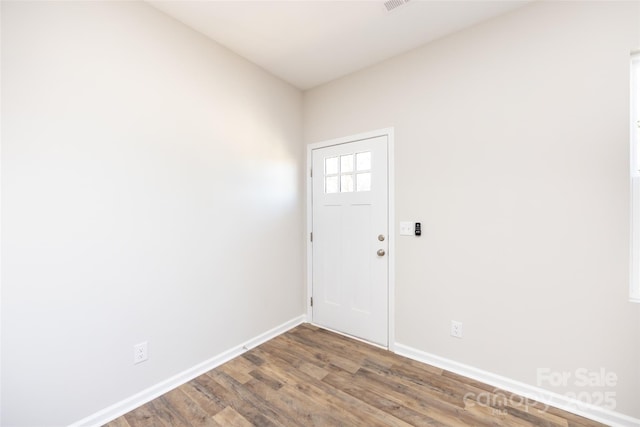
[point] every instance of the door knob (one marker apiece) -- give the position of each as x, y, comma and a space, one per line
381, 252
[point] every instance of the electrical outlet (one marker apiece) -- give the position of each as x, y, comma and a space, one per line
140, 353
456, 329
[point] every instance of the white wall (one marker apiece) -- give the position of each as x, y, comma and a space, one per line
150, 191
512, 149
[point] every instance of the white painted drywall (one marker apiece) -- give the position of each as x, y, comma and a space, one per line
512, 149
150, 192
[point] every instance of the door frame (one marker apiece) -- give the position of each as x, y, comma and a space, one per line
388, 132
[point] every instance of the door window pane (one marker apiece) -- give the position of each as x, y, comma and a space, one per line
331, 184
331, 166
346, 183
346, 163
363, 161
363, 181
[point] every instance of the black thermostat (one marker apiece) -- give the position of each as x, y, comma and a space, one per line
418, 230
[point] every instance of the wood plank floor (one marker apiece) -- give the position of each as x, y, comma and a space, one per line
313, 377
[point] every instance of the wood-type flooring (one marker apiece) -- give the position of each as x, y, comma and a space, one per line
313, 377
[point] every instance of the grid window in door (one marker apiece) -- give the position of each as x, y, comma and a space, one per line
347, 173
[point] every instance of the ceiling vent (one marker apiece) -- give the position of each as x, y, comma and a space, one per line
394, 4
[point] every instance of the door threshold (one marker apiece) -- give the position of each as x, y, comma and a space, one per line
351, 336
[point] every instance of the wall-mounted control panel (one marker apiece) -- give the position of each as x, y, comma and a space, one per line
410, 228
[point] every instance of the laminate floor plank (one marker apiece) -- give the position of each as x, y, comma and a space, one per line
294, 353
312, 377
168, 413
386, 403
229, 417
334, 398
328, 357
203, 397
118, 422
239, 368
188, 410
278, 370
289, 406
330, 340
145, 416
423, 400
343, 346
534, 412
436, 386
246, 403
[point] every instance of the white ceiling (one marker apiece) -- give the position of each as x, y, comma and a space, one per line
311, 42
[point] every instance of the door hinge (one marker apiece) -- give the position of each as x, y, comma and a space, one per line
311, 237
311, 299
311, 173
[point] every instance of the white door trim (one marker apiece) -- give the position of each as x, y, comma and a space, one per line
388, 132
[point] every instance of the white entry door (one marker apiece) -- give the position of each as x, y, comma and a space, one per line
350, 238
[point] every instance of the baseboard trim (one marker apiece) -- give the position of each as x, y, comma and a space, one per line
114, 411
605, 416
